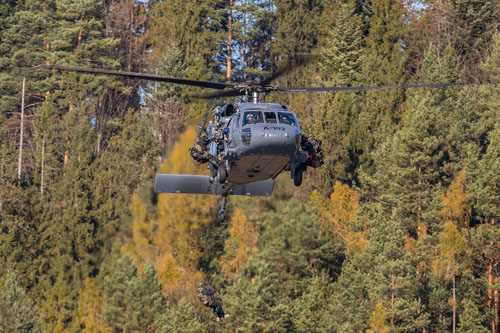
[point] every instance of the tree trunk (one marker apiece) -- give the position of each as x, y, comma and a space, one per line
66, 152
454, 306
490, 286
68, 142
99, 136
495, 304
393, 291
43, 170
229, 40
79, 39
19, 164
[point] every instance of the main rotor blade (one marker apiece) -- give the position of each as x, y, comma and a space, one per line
144, 76
409, 86
223, 93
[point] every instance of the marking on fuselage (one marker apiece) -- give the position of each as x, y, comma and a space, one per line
276, 128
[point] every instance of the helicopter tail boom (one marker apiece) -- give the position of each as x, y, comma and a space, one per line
199, 184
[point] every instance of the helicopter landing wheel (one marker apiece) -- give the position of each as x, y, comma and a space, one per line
213, 173
221, 173
297, 177
222, 216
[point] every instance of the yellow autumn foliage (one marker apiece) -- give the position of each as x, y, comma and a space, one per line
456, 203
182, 218
90, 306
338, 215
451, 247
142, 230
242, 240
378, 320
170, 236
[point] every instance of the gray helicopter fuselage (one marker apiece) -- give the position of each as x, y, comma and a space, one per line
260, 148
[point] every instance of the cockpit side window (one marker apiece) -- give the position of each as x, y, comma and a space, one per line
287, 118
270, 117
252, 117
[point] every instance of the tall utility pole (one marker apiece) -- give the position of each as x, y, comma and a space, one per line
229, 40
19, 164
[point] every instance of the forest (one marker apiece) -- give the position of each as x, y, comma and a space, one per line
398, 231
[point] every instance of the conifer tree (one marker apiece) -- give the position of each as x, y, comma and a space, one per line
383, 64
194, 28
17, 311
180, 318
254, 26
297, 26
134, 302
417, 156
485, 202
393, 280
312, 311
335, 120
471, 319
168, 112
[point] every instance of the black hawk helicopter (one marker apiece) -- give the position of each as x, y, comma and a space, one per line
250, 143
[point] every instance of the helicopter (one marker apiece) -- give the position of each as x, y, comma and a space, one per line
250, 142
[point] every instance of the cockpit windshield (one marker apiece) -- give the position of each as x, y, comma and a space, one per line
270, 117
258, 117
287, 118
253, 117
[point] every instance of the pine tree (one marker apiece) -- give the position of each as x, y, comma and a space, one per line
253, 31
133, 302
17, 311
335, 120
312, 311
486, 190
383, 64
180, 318
168, 111
194, 28
471, 319
297, 26
418, 152
392, 280
344, 46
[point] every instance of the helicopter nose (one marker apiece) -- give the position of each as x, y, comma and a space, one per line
279, 140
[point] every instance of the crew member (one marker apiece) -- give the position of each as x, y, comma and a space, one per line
205, 296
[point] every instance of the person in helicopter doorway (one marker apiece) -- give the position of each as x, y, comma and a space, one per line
205, 296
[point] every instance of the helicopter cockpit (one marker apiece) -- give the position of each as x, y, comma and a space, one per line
269, 117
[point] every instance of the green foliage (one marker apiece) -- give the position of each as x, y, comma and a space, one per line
179, 318
344, 46
471, 319
17, 311
312, 309
134, 302
297, 26
407, 209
